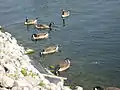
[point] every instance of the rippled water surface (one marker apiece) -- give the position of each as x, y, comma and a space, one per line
90, 37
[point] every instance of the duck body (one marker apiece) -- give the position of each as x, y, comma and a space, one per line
40, 36
64, 65
65, 13
30, 22
42, 26
49, 50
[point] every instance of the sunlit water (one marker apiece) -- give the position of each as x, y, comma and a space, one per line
90, 37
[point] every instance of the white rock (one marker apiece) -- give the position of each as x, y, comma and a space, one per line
2, 70
53, 87
16, 88
66, 88
32, 81
10, 67
22, 82
7, 82
3, 89
36, 88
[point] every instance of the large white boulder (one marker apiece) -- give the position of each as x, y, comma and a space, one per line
7, 82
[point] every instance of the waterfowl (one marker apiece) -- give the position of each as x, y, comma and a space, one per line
62, 66
50, 49
40, 36
108, 88
65, 13
30, 22
44, 26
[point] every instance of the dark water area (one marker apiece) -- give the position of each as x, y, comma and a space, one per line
90, 37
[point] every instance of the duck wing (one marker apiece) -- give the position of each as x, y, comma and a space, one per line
64, 64
50, 49
42, 34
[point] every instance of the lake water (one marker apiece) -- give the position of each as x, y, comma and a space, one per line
90, 37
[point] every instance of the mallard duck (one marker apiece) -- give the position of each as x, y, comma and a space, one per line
48, 50
40, 36
30, 22
62, 66
108, 88
44, 26
65, 13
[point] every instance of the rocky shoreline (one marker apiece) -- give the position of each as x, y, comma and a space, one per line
17, 73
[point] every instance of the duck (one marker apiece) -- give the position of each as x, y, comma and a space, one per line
40, 36
49, 50
107, 88
30, 22
65, 13
62, 66
44, 26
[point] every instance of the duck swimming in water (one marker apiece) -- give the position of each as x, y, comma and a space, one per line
44, 26
40, 36
65, 13
62, 66
49, 50
30, 22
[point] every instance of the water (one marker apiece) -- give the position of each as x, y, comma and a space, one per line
91, 37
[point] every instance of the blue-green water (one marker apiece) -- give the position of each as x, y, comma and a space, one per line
91, 37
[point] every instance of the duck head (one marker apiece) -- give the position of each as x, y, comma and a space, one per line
98, 88
34, 35
63, 11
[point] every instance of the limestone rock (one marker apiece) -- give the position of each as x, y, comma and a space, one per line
2, 71
21, 82
7, 82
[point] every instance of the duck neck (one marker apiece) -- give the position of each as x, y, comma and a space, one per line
50, 25
62, 12
26, 20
